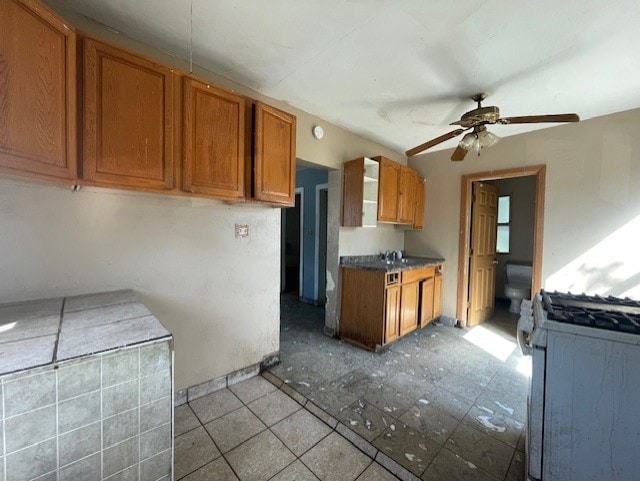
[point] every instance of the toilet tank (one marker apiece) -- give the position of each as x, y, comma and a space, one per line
519, 273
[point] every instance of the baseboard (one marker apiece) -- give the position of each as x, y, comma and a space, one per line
448, 321
330, 332
209, 387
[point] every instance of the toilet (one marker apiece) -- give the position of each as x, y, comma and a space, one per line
518, 285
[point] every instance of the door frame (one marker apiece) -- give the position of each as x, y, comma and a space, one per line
316, 263
300, 190
464, 242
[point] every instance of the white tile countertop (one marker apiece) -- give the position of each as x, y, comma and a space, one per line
45, 332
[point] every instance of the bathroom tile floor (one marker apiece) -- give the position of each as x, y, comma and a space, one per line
440, 404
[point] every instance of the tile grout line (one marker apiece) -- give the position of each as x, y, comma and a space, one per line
139, 421
334, 429
4, 433
101, 422
57, 425
269, 428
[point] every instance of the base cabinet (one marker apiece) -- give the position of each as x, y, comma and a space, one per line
378, 307
409, 307
426, 301
437, 294
392, 316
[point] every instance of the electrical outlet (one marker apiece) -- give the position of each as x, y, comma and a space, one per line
242, 230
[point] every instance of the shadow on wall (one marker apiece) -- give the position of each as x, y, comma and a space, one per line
611, 267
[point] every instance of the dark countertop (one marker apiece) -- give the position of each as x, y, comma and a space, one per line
375, 263
46, 332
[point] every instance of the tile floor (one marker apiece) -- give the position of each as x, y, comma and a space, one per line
253, 431
440, 404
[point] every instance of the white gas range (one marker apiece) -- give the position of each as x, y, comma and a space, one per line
584, 401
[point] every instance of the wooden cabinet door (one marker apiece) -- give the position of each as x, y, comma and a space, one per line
388, 195
37, 91
437, 296
128, 119
426, 301
352, 193
274, 155
408, 307
392, 313
408, 180
418, 220
214, 140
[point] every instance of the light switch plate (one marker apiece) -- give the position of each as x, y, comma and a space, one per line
242, 230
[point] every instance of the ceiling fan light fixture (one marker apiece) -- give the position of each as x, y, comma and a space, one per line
468, 141
487, 139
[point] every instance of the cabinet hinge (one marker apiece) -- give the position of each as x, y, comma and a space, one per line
471, 251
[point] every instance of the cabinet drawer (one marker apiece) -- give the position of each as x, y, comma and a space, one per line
417, 274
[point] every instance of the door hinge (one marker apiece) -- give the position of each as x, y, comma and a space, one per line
471, 251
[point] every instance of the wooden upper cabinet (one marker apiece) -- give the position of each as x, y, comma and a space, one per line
128, 124
37, 91
274, 155
388, 194
408, 180
418, 220
352, 193
360, 193
214, 141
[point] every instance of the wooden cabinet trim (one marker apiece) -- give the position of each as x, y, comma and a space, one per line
414, 275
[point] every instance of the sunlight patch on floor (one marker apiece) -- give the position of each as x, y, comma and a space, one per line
7, 327
496, 345
524, 366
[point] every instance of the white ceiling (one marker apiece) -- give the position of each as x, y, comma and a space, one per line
399, 71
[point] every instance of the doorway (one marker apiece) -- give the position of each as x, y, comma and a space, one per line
472, 280
320, 276
292, 246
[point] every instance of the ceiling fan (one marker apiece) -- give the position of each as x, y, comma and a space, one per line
477, 120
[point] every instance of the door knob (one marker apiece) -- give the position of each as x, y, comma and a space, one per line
495, 261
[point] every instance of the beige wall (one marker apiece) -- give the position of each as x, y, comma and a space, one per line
215, 293
592, 205
522, 191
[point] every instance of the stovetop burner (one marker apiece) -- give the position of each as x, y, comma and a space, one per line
612, 313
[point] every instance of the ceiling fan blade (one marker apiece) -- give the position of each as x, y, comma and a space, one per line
534, 119
459, 154
432, 142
